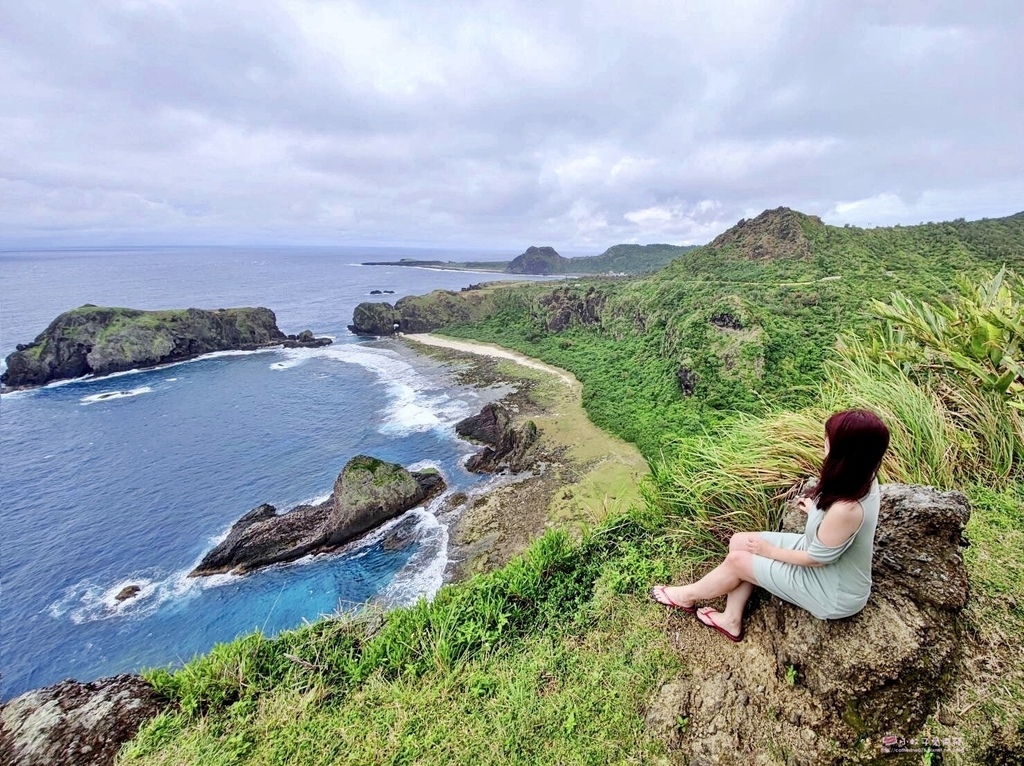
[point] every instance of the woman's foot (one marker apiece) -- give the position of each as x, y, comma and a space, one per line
674, 597
730, 628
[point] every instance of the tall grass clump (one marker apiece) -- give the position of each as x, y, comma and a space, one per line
967, 352
944, 377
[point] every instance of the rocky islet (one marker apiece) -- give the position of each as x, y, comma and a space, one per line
97, 340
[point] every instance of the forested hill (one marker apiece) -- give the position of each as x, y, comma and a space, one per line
741, 324
616, 260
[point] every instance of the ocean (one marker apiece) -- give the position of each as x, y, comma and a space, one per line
132, 478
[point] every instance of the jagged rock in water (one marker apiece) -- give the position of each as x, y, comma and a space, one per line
832, 688
367, 493
306, 339
127, 592
488, 426
74, 723
511, 448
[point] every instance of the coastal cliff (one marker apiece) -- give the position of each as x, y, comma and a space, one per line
423, 313
96, 340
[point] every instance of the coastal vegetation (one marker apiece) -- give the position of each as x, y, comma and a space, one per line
721, 368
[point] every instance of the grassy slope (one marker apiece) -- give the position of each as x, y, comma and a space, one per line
553, 659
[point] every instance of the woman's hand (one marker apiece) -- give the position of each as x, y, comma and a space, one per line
805, 504
760, 547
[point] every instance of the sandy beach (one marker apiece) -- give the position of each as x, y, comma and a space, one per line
585, 475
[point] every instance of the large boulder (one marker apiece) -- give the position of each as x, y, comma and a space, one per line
75, 724
94, 340
374, 319
488, 426
367, 493
831, 690
510, 447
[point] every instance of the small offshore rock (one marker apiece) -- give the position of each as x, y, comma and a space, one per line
127, 592
367, 493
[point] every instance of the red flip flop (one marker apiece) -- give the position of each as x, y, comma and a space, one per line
669, 602
715, 626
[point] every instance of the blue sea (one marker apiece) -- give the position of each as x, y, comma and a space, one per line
132, 478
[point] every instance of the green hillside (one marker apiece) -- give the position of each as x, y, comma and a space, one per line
721, 368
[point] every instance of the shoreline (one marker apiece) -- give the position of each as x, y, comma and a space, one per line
583, 473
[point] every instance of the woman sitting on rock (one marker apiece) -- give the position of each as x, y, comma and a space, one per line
827, 569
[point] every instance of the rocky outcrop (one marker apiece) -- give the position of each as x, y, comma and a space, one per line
75, 724
569, 306
422, 313
367, 493
93, 340
510, 448
539, 260
832, 689
775, 234
305, 339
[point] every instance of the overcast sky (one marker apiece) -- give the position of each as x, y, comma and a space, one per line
499, 124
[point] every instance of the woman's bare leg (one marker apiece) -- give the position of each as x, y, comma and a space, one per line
738, 568
732, 618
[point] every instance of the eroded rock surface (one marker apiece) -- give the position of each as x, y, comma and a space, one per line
75, 724
510, 448
367, 493
95, 340
831, 689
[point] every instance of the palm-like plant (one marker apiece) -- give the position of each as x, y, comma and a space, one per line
979, 334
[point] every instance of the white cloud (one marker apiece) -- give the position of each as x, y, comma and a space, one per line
499, 123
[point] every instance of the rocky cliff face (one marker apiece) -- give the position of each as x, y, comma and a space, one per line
94, 340
367, 493
775, 234
422, 313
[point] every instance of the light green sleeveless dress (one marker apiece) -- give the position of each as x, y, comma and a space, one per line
838, 589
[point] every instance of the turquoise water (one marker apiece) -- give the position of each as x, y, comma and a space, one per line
101, 491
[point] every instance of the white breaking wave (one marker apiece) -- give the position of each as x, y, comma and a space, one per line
89, 601
416, 402
109, 395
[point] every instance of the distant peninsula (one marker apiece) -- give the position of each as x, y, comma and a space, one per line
97, 340
619, 260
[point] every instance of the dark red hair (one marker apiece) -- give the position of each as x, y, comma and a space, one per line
857, 441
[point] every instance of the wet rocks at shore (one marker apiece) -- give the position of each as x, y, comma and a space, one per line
509, 448
74, 723
367, 493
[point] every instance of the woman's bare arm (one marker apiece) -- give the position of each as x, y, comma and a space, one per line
841, 521
760, 547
